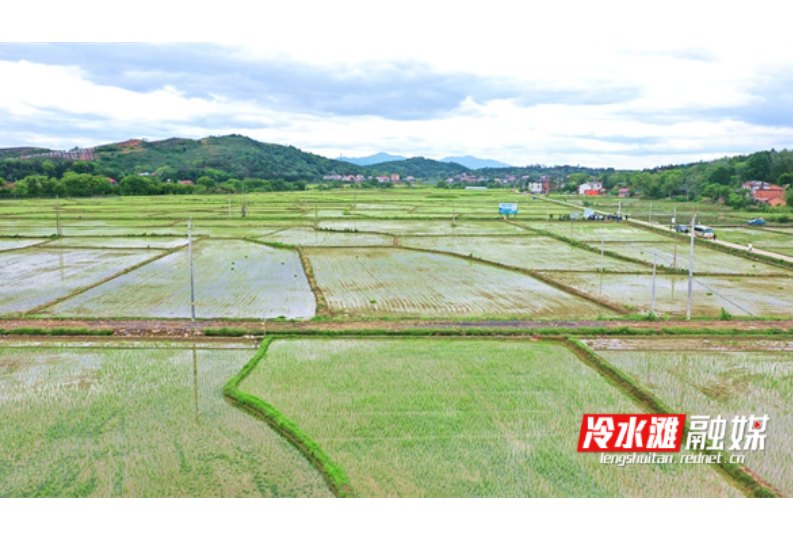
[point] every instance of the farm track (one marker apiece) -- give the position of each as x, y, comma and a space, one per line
186, 329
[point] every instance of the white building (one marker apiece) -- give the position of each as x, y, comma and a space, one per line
589, 186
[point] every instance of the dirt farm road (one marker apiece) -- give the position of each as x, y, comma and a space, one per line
180, 328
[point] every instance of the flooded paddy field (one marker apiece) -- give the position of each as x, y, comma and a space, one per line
421, 227
529, 251
96, 420
674, 254
232, 279
306, 236
391, 281
115, 242
32, 277
441, 417
591, 231
742, 296
720, 378
7, 244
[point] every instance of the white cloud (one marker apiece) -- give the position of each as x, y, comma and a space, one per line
39, 89
659, 119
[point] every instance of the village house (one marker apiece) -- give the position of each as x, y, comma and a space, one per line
590, 188
766, 192
540, 187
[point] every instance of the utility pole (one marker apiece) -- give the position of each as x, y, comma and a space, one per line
195, 383
58, 216
690, 268
229, 205
192, 282
650, 213
602, 267
652, 301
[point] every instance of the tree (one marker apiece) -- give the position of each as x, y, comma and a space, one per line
785, 179
135, 185
206, 182
721, 174
758, 166
85, 185
717, 192
233, 185
789, 196
31, 186
166, 172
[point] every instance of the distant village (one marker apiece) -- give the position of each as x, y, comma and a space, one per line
359, 178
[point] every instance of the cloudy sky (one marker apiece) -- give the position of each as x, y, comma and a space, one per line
609, 87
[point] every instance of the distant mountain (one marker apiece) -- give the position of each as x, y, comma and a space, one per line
419, 167
475, 163
374, 159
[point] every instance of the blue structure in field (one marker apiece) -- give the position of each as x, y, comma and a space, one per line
508, 208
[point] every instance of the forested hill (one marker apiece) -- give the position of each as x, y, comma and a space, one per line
419, 167
12, 153
238, 156
231, 156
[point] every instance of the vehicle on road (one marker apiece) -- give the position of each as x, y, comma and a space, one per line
682, 229
756, 221
704, 232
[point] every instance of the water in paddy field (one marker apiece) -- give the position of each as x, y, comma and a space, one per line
136, 422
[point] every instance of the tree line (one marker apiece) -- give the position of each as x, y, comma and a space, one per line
73, 184
718, 180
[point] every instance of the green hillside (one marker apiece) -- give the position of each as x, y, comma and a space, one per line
239, 156
13, 153
419, 167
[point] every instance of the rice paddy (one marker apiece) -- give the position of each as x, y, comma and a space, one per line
743, 296
402, 415
459, 418
33, 277
232, 279
533, 252
382, 281
101, 421
676, 255
7, 244
304, 236
717, 379
117, 242
411, 227
588, 231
